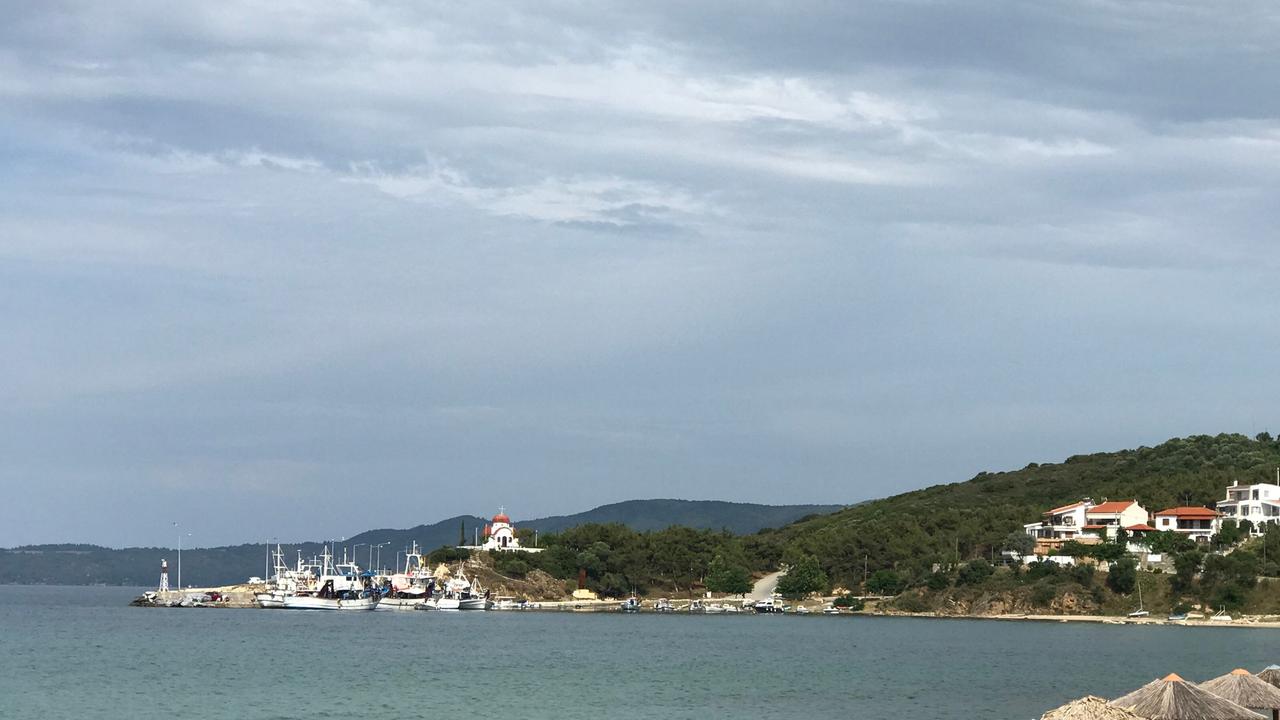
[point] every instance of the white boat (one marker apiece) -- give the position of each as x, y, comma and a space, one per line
768, 607
287, 581
315, 602
506, 602
630, 605
830, 609
802, 610
408, 589
716, 609
341, 587
663, 605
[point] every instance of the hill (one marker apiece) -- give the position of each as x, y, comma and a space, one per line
93, 565
960, 521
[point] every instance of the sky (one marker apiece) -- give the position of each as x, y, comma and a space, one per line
295, 270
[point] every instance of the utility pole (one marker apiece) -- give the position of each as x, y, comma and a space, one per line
864, 571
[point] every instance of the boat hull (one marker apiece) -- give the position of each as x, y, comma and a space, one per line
473, 604
401, 603
303, 602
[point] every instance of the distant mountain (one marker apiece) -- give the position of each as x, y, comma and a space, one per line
91, 565
643, 515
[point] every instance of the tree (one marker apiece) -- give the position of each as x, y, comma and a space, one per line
885, 582
974, 572
1123, 576
1020, 542
1185, 567
723, 577
805, 577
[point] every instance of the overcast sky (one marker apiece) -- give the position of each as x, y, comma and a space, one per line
298, 269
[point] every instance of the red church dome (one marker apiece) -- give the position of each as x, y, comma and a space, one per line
502, 518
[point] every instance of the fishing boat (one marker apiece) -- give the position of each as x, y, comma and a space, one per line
408, 590
663, 605
630, 605
342, 587
697, 607
287, 581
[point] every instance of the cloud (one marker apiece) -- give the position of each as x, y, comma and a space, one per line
760, 252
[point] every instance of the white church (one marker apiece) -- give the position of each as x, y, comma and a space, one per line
500, 535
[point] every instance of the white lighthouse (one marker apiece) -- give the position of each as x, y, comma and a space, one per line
164, 575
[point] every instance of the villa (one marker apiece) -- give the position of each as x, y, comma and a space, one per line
1198, 523
1063, 523
1106, 519
1256, 503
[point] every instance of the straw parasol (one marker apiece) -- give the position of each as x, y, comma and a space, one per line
1271, 674
1242, 688
1172, 698
1089, 708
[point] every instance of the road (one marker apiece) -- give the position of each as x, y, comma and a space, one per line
765, 586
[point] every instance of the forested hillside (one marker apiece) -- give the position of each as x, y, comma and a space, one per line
972, 519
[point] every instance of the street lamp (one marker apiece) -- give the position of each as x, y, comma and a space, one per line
353, 552
180, 557
380, 546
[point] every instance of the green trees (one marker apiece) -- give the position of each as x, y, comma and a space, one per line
885, 582
804, 577
1227, 579
724, 577
1122, 577
974, 573
1185, 566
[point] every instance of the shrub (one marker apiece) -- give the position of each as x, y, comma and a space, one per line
974, 572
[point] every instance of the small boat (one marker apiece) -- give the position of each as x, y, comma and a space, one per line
663, 605
697, 607
506, 602
802, 610
830, 609
1178, 617
630, 605
1140, 612
767, 607
716, 609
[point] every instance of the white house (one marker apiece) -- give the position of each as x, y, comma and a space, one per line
1256, 503
1107, 518
1199, 523
1064, 523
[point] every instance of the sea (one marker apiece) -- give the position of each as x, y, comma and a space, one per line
82, 652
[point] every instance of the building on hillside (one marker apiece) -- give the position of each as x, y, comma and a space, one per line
1198, 523
1063, 523
1256, 503
1106, 519
500, 535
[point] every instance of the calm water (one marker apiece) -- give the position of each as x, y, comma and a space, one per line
82, 652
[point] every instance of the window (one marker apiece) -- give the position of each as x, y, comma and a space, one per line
1255, 494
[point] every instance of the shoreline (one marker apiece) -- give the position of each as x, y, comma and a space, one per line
1243, 622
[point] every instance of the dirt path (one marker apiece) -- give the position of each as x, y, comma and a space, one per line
765, 586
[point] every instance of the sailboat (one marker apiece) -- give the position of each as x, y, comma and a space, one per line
1140, 612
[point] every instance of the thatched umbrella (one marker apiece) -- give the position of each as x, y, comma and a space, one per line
1172, 698
1271, 674
1089, 708
1242, 688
